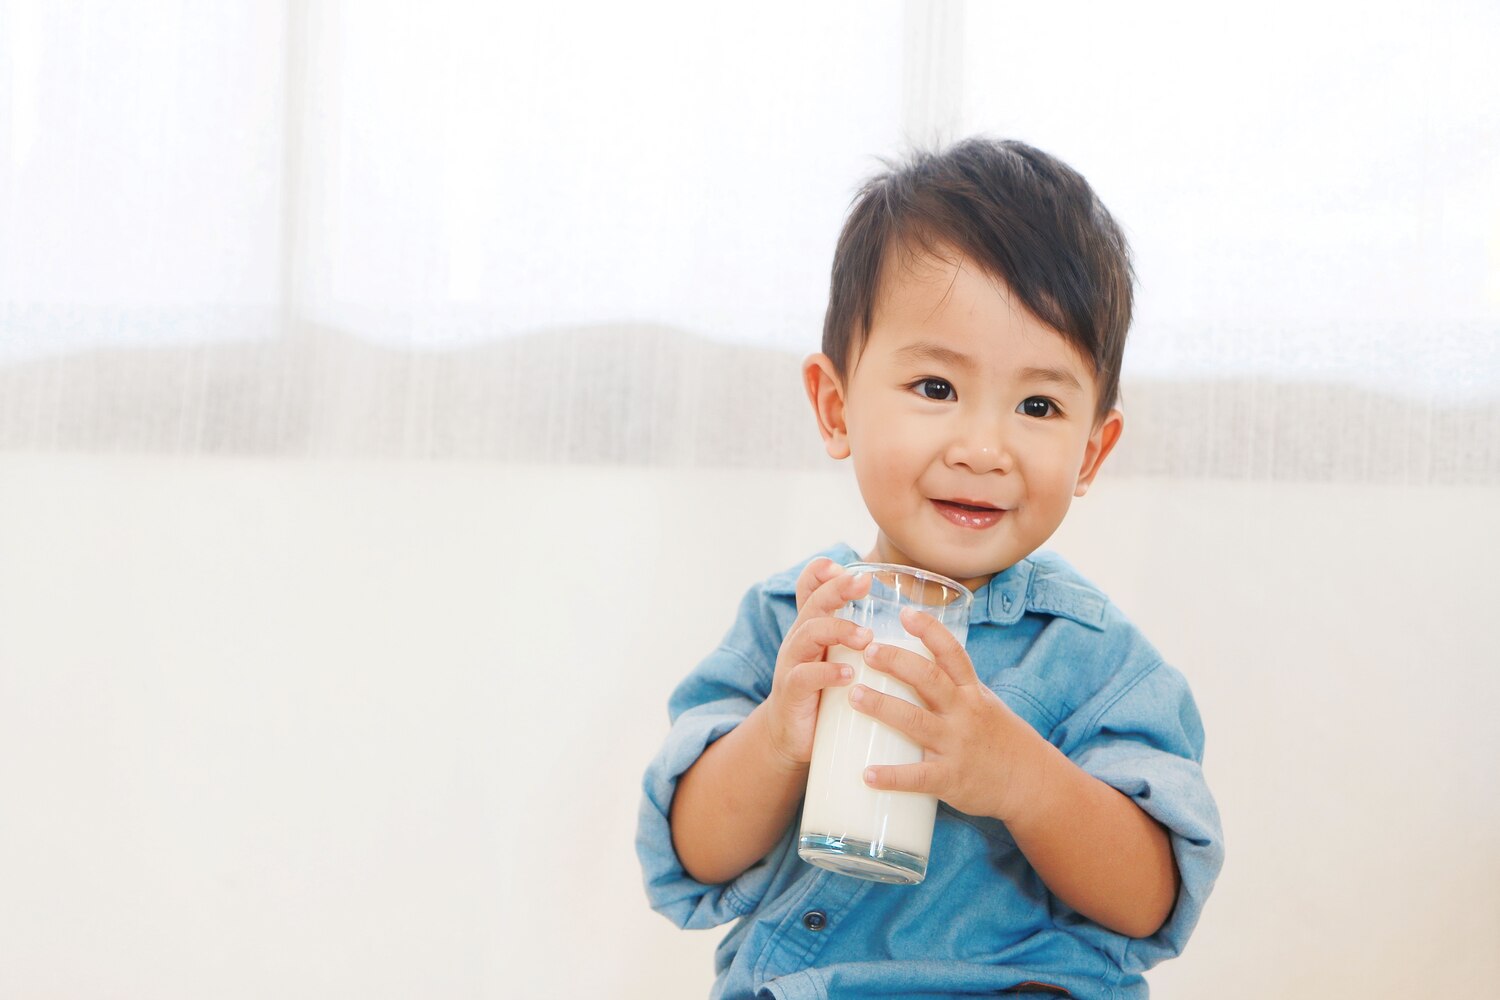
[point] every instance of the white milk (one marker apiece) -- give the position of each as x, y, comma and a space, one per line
839, 804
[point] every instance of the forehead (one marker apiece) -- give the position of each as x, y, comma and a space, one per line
937, 296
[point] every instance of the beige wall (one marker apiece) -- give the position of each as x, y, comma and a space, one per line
287, 729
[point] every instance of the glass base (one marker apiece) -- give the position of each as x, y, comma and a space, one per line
861, 859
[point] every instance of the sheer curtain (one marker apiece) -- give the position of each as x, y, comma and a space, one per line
603, 233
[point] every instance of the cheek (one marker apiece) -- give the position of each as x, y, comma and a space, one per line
1053, 471
890, 450
877, 470
889, 479
894, 458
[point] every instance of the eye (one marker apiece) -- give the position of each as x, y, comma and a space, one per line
1038, 406
935, 388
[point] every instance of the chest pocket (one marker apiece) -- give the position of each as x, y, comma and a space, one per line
1027, 691
1031, 701
1043, 668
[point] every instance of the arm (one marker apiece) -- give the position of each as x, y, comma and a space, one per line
740, 776
735, 802
1092, 846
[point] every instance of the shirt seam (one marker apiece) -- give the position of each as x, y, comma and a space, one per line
1125, 689
1073, 612
1030, 699
748, 662
1060, 592
738, 902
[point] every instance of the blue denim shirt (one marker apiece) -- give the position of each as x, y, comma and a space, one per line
1067, 661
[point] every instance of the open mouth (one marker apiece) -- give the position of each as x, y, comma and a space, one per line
969, 513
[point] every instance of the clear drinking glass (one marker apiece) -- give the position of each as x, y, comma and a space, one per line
847, 826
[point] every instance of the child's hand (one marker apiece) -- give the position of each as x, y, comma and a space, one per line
802, 670
976, 749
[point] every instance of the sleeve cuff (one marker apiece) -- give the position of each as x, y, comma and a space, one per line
671, 891
1172, 791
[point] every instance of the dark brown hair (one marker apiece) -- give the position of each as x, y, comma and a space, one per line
1025, 217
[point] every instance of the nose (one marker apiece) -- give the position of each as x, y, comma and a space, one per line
979, 444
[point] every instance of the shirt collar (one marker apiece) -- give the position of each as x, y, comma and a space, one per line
1041, 583
1004, 597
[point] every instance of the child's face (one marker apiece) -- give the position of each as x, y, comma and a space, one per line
961, 399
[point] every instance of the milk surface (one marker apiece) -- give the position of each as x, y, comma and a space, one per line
839, 803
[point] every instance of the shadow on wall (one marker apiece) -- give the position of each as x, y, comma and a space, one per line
652, 395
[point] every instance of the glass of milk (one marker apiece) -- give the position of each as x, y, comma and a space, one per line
847, 826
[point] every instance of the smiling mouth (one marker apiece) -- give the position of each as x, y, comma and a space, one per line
968, 514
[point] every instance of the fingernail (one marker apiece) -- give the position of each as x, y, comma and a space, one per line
869, 776
846, 672
871, 650
857, 694
863, 634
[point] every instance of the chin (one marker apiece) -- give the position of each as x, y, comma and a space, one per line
974, 565
952, 559
963, 569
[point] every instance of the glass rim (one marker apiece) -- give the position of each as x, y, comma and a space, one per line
965, 596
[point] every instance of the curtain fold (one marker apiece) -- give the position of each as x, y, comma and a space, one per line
658, 396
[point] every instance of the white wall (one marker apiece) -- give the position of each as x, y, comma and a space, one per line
289, 729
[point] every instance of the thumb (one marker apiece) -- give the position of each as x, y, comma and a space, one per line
813, 576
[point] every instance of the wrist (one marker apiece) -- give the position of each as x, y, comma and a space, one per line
776, 759
1031, 781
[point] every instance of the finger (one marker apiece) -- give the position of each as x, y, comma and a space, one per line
809, 640
928, 679
901, 715
923, 778
828, 597
807, 679
946, 650
814, 575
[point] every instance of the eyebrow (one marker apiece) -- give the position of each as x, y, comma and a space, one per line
1055, 376
926, 351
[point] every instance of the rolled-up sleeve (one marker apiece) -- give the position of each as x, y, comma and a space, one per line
1146, 741
711, 701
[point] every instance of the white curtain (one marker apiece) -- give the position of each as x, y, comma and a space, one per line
602, 232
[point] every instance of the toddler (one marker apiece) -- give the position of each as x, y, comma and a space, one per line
976, 320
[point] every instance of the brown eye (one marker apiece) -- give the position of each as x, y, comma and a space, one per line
1037, 406
936, 388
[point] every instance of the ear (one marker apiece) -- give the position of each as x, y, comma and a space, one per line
1106, 435
826, 393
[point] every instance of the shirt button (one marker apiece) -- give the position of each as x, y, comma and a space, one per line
814, 920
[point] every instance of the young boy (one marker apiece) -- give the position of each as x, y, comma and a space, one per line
970, 368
